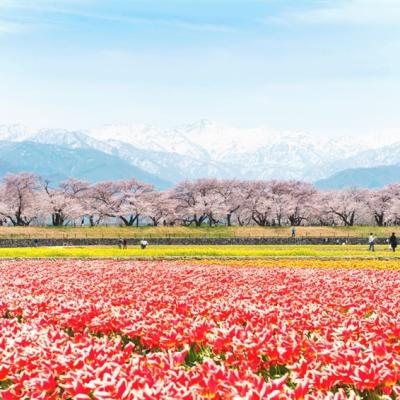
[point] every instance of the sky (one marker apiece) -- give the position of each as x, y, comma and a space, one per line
324, 67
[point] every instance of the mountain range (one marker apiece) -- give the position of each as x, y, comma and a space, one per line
58, 163
203, 149
373, 177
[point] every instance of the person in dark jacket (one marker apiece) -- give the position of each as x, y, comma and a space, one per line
393, 241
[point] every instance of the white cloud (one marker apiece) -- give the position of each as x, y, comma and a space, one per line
10, 27
177, 23
346, 12
63, 8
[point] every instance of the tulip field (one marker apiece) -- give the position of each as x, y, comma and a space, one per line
201, 329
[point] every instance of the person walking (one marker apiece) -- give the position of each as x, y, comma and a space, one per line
293, 232
124, 244
371, 242
393, 242
120, 242
143, 244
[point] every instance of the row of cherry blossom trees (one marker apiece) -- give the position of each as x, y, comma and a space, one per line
27, 199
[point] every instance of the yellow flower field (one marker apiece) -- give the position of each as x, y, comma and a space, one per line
228, 251
387, 264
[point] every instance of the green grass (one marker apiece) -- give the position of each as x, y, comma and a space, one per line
181, 231
314, 251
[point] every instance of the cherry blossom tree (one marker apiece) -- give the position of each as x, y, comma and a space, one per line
299, 200
260, 202
25, 198
279, 192
245, 193
19, 198
379, 203
348, 205
59, 204
78, 194
199, 201
232, 197
161, 208
105, 200
321, 213
135, 201
393, 215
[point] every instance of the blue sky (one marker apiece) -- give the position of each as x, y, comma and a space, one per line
324, 67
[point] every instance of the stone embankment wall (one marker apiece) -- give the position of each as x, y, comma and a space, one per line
186, 241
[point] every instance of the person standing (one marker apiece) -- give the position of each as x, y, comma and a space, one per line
393, 242
124, 244
371, 242
293, 232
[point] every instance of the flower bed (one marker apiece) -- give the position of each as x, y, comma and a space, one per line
148, 330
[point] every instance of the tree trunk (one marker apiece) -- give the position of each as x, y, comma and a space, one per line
379, 218
130, 221
155, 222
57, 219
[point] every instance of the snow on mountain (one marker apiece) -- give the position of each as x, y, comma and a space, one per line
385, 155
16, 132
213, 142
206, 148
172, 166
148, 137
220, 141
381, 156
72, 139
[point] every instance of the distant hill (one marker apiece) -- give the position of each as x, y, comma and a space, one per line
374, 177
59, 163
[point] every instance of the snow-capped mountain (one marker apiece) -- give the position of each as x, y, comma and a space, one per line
207, 148
233, 152
222, 143
16, 132
148, 137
